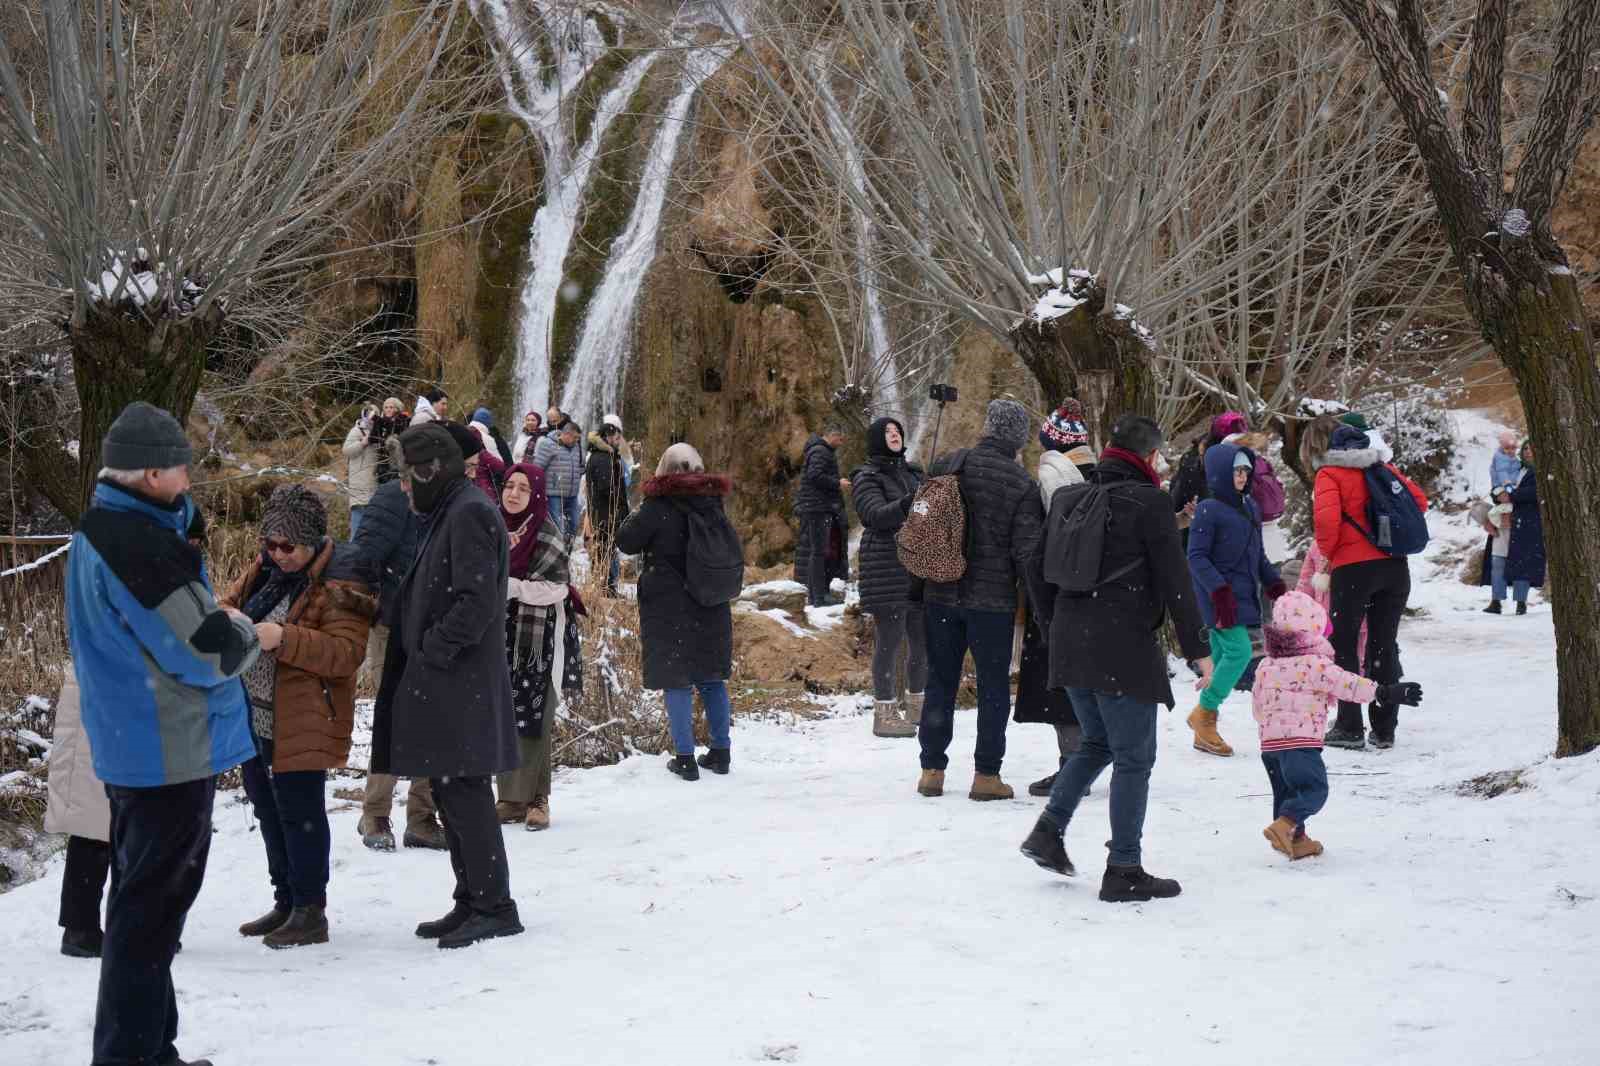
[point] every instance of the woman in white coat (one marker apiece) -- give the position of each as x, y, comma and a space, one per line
79, 808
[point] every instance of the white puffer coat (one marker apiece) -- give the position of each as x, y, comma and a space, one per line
78, 803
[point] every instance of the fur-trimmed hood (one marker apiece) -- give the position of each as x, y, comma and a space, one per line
1353, 458
689, 485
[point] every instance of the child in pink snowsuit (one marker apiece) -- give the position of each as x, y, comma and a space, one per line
1314, 582
1294, 686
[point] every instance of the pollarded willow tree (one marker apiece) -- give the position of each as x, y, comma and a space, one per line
1151, 201
171, 162
1517, 281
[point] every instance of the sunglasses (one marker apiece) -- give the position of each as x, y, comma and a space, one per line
276, 546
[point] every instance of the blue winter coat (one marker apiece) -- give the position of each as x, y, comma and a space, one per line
1225, 545
157, 660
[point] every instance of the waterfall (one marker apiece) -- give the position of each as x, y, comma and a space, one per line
576, 43
606, 342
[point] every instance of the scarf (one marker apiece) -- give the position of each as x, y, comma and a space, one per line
277, 586
524, 526
1135, 461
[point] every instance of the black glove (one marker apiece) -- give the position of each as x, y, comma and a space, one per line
1400, 694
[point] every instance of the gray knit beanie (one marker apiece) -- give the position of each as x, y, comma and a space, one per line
145, 437
1008, 423
297, 514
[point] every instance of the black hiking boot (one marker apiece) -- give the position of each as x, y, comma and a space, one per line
684, 767
717, 760
82, 943
1493, 608
1349, 739
1043, 786
448, 924
306, 925
1130, 884
266, 923
482, 927
1382, 741
1522, 607
1044, 846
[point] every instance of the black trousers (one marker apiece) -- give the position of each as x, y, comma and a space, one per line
160, 838
477, 848
84, 882
1374, 592
292, 811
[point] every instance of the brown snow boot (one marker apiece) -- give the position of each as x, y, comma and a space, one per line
510, 813
1280, 834
1304, 848
306, 925
931, 783
886, 721
538, 814
912, 704
1206, 737
989, 787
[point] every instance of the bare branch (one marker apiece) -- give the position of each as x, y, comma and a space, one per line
1564, 116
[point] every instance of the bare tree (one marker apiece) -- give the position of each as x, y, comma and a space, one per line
1517, 282
1149, 201
167, 161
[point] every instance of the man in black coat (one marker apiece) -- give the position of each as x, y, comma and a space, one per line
444, 708
387, 545
607, 486
978, 613
1106, 652
820, 553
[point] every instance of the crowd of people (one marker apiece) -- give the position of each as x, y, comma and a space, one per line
455, 590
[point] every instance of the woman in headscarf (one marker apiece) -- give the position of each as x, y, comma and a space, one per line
536, 614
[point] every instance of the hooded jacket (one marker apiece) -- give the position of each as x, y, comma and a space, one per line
1297, 680
157, 661
1340, 493
1225, 543
819, 479
605, 478
424, 413
361, 456
882, 489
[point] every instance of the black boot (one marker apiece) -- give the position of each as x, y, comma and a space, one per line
483, 927
82, 943
1350, 739
1130, 884
717, 760
1044, 847
266, 923
1493, 608
1522, 607
306, 925
1043, 786
448, 924
684, 767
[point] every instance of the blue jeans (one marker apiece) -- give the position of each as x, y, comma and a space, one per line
355, 519
951, 632
564, 509
1120, 732
680, 713
1497, 581
1299, 783
293, 813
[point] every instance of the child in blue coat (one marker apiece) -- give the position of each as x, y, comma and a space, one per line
1228, 564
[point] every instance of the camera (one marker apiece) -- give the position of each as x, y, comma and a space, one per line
942, 394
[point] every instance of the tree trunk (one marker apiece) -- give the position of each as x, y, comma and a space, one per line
1543, 337
1101, 361
119, 358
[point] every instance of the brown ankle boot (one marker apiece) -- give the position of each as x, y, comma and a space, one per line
538, 814
1280, 834
913, 708
989, 787
931, 783
509, 812
1206, 737
886, 721
1304, 847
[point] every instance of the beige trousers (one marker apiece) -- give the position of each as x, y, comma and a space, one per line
380, 787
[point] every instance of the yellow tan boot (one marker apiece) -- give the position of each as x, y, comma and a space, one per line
931, 783
1206, 737
989, 787
538, 814
1280, 834
509, 812
886, 721
1304, 848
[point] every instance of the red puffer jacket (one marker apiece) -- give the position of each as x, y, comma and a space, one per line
1341, 490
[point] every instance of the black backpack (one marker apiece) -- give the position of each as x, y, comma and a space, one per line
1396, 526
714, 562
1075, 538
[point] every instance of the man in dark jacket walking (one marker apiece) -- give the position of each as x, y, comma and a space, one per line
387, 544
1105, 651
607, 484
444, 709
820, 552
978, 613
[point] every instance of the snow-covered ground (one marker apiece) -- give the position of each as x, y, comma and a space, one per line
812, 908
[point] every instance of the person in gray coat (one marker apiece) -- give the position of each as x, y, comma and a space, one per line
444, 709
560, 456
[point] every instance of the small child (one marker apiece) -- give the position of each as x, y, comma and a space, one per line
1294, 685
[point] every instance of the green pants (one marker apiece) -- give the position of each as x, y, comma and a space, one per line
1230, 654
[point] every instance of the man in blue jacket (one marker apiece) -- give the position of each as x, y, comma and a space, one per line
157, 663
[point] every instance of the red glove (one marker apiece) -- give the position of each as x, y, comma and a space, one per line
1225, 607
1275, 590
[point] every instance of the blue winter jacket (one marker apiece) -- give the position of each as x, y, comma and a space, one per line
1504, 470
157, 661
1225, 545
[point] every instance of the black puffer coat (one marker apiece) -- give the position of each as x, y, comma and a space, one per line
882, 489
683, 641
444, 708
387, 545
1108, 640
1004, 521
819, 480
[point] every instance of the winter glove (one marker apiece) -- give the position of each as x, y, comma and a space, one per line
1400, 694
1225, 607
1275, 590
1321, 582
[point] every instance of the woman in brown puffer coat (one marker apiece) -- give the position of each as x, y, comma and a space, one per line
312, 608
